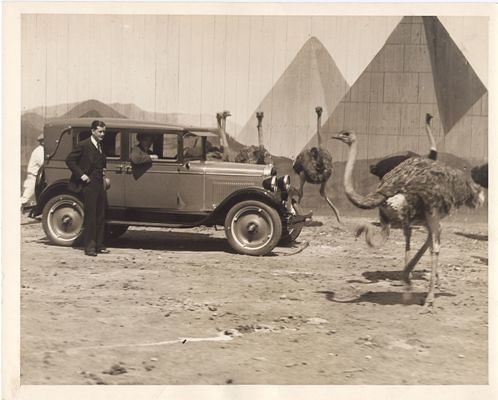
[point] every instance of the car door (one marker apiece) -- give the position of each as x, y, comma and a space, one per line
112, 146
153, 186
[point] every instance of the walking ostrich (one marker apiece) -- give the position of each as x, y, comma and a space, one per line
387, 164
417, 191
255, 154
315, 166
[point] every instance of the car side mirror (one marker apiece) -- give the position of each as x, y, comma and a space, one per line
187, 165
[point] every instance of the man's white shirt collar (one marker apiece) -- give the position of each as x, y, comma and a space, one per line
94, 141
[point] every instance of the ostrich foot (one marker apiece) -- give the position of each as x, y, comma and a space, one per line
407, 294
429, 301
407, 297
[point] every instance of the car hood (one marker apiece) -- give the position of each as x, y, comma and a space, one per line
221, 167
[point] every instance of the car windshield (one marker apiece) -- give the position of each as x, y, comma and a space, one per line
193, 146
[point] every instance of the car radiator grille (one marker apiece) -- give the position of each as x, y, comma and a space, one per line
222, 189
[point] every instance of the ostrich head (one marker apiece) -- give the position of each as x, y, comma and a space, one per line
226, 114
476, 196
346, 136
428, 118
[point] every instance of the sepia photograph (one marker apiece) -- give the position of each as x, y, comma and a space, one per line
227, 197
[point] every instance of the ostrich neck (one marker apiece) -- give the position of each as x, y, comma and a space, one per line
260, 137
368, 201
224, 138
348, 172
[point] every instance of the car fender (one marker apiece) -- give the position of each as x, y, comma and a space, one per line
56, 188
259, 194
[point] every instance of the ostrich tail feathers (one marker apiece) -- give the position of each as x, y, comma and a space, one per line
359, 230
371, 233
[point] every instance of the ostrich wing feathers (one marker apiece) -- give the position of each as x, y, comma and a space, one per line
437, 186
316, 164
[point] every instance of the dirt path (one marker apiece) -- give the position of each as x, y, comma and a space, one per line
180, 308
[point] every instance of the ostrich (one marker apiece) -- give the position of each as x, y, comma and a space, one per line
315, 166
387, 164
417, 191
480, 175
255, 154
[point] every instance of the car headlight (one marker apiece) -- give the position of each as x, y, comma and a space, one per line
284, 183
271, 184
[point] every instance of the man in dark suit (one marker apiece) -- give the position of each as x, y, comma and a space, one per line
87, 163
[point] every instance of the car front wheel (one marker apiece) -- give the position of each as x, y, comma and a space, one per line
253, 228
63, 219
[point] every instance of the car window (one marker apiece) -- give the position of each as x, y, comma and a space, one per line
164, 146
111, 144
170, 146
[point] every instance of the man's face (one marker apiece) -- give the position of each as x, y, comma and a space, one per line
98, 133
146, 142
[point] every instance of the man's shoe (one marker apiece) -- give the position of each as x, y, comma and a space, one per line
103, 250
91, 253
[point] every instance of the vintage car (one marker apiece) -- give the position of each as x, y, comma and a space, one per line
180, 189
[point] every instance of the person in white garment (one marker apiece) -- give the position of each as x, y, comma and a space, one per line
35, 162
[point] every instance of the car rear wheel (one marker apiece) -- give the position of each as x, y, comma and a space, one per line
253, 228
63, 219
290, 234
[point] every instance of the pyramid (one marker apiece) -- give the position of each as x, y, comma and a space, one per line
386, 106
457, 85
311, 79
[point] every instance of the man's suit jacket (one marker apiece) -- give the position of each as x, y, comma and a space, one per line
85, 159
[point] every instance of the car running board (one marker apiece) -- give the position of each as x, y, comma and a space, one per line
153, 224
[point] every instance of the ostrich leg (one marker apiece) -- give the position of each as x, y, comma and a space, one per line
416, 258
435, 233
324, 195
300, 192
407, 231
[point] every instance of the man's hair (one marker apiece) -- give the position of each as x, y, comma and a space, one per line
97, 123
142, 136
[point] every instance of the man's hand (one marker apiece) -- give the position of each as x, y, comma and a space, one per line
85, 178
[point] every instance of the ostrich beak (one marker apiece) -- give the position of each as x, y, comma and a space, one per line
338, 137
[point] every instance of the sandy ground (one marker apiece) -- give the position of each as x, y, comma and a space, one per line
179, 307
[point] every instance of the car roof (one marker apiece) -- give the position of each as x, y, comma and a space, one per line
124, 123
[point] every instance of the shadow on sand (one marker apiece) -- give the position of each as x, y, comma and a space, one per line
175, 241
377, 276
473, 236
386, 298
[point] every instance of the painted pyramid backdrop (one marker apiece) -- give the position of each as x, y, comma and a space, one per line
405, 80
311, 79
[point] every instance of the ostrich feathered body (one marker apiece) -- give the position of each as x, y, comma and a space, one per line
316, 163
419, 185
389, 163
253, 155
